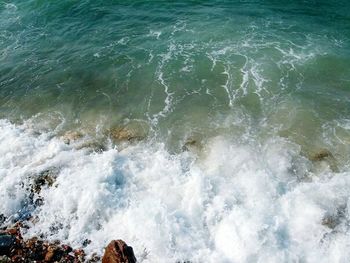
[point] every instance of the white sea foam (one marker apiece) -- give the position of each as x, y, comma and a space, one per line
238, 202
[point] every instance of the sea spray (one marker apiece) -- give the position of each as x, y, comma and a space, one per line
239, 202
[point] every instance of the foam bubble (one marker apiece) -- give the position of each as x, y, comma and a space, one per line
239, 202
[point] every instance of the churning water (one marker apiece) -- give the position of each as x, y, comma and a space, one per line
241, 111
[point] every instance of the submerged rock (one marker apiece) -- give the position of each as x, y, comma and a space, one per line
71, 136
118, 251
132, 131
332, 220
326, 157
321, 155
190, 144
125, 134
193, 144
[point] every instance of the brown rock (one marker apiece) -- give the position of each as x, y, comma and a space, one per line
15, 249
125, 134
71, 136
325, 156
51, 250
118, 251
79, 255
130, 132
12, 231
321, 155
189, 144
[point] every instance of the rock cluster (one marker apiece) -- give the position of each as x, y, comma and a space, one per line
13, 248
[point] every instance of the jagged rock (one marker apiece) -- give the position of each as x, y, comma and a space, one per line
71, 136
51, 250
46, 177
35, 250
36, 183
13, 248
7, 242
118, 251
79, 255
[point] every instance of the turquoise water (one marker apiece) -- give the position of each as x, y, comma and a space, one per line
185, 63
248, 72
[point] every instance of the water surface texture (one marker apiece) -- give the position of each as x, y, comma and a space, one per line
241, 111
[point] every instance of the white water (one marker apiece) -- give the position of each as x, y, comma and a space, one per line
235, 202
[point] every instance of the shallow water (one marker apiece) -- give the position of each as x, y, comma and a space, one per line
243, 107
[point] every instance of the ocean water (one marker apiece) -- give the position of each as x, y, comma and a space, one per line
241, 109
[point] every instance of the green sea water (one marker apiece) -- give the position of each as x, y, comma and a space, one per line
186, 64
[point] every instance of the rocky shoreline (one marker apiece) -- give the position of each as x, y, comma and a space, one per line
14, 248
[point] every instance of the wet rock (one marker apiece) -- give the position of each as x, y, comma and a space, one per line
34, 187
50, 254
333, 220
125, 134
118, 251
33, 248
330, 222
38, 202
321, 155
36, 250
13, 231
14, 248
133, 130
45, 178
189, 144
7, 242
79, 255
86, 242
326, 157
193, 144
71, 136
67, 249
